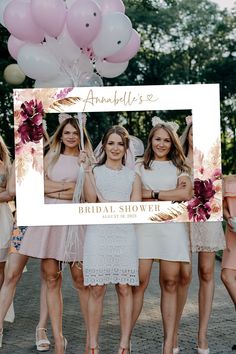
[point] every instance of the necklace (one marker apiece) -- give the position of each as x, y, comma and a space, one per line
114, 169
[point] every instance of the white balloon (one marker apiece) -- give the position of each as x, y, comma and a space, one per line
90, 80
68, 50
60, 81
115, 32
13, 74
110, 70
3, 5
84, 64
37, 62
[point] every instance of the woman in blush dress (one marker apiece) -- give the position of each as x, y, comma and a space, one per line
62, 170
206, 238
15, 266
165, 176
6, 220
228, 273
110, 251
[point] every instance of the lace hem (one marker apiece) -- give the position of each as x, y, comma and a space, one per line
110, 276
197, 249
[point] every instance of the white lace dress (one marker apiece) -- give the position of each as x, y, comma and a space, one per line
207, 236
110, 251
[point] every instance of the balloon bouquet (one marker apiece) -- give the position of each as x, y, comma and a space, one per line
65, 43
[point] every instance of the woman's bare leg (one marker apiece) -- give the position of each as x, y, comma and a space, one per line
125, 298
95, 309
14, 269
83, 293
145, 267
2, 267
169, 281
206, 266
53, 278
228, 277
41, 328
184, 281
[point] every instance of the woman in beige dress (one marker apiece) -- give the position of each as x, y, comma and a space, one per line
206, 238
15, 265
165, 176
228, 265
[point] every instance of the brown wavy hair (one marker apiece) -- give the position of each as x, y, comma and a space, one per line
176, 154
184, 139
123, 133
57, 147
5, 156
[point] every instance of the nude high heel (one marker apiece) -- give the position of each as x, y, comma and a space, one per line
42, 345
65, 344
203, 351
125, 350
92, 349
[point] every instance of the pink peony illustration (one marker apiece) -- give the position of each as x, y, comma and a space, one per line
199, 207
31, 127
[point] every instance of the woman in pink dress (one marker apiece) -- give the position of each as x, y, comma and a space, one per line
15, 265
62, 169
206, 238
228, 273
6, 220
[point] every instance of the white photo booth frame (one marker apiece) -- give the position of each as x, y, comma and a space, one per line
202, 99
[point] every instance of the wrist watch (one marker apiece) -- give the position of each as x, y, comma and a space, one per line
155, 195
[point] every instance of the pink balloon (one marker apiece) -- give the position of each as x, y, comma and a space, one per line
83, 21
112, 6
14, 45
50, 15
128, 51
19, 22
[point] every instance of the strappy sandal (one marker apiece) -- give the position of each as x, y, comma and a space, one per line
125, 350
92, 349
42, 345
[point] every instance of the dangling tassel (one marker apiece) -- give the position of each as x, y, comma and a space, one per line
75, 236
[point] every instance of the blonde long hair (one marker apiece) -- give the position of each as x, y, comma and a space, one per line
184, 138
176, 154
57, 147
5, 156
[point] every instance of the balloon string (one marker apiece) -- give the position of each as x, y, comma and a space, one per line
72, 71
80, 119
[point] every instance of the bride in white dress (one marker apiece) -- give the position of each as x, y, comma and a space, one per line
110, 251
165, 176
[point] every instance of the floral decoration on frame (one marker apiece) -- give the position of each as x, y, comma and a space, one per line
207, 198
207, 186
29, 126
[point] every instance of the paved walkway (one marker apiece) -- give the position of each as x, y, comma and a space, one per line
147, 336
